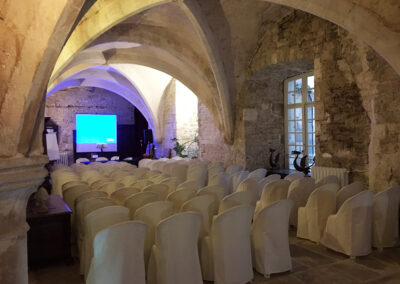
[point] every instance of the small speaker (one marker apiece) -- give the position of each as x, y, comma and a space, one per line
148, 136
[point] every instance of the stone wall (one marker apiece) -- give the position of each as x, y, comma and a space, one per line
64, 104
167, 118
356, 118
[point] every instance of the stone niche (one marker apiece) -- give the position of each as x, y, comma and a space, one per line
64, 104
356, 118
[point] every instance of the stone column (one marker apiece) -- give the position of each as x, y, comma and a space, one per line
19, 178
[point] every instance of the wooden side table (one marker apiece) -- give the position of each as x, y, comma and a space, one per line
50, 233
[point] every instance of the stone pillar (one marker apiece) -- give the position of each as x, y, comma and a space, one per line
19, 178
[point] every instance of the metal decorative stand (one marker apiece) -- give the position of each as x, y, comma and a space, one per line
303, 163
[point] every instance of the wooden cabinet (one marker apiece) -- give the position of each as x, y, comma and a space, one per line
49, 234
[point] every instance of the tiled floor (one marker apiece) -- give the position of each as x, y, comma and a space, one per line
312, 263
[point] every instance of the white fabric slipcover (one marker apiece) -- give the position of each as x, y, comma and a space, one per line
160, 189
312, 218
326, 180
142, 183
263, 182
96, 221
201, 204
122, 194
128, 180
137, 200
221, 179
73, 183
385, 225
270, 240
235, 199
197, 173
233, 169
250, 184
111, 187
299, 191
181, 196
349, 230
172, 183
180, 172
71, 193
272, 192
118, 255
194, 184
215, 190
237, 178
348, 191
258, 173
174, 258
226, 251
152, 214
294, 176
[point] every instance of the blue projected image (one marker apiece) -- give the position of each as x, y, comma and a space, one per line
96, 131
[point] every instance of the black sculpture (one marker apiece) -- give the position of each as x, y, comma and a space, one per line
274, 162
303, 166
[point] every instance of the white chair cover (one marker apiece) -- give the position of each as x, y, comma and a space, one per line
263, 182
270, 238
220, 179
194, 184
215, 190
226, 252
258, 173
71, 193
99, 159
128, 180
294, 176
114, 158
111, 187
152, 214
122, 194
201, 204
233, 169
299, 191
96, 221
237, 178
197, 173
326, 180
72, 183
272, 192
140, 199
312, 218
348, 191
250, 184
80, 160
118, 255
172, 183
181, 196
174, 257
235, 199
349, 230
385, 225
142, 183
160, 189
179, 171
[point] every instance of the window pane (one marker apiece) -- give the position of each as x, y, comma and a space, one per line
291, 163
299, 148
310, 82
299, 138
311, 139
311, 126
299, 113
291, 149
311, 152
310, 112
291, 114
298, 84
291, 86
291, 127
291, 139
310, 96
298, 97
291, 98
299, 126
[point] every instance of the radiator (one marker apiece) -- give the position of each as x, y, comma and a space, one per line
319, 172
63, 159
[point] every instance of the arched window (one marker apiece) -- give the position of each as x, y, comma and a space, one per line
299, 117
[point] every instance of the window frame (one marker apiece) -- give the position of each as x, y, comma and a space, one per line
303, 105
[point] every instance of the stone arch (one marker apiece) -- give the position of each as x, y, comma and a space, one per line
361, 21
